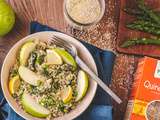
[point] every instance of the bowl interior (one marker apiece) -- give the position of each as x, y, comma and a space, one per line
44, 36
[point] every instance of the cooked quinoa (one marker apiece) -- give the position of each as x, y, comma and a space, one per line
57, 78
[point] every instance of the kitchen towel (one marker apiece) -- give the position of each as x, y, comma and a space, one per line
101, 107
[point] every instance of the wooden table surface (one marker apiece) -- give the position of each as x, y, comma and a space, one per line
103, 35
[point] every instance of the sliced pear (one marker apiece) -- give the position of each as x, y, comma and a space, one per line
67, 58
53, 57
66, 94
29, 76
82, 84
32, 107
14, 84
25, 51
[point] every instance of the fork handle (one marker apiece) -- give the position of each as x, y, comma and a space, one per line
97, 79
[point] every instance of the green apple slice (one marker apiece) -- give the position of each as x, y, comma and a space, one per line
82, 84
32, 107
29, 76
25, 51
53, 57
67, 58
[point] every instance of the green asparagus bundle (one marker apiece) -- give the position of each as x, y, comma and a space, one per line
140, 41
153, 16
145, 26
147, 21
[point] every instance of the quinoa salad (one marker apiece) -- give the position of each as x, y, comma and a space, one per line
46, 81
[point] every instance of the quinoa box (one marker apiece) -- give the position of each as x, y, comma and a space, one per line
144, 101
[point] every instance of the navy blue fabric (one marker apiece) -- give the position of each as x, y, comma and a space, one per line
101, 107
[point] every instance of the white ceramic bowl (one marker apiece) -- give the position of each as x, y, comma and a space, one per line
44, 36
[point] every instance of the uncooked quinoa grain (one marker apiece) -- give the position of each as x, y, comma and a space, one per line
83, 11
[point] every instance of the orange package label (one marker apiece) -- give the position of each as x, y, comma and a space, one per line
144, 101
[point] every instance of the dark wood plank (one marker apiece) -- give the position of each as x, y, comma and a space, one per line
125, 33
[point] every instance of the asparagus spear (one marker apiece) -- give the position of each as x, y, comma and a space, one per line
144, 23
140, 41
145, 26
137, 13
140, 14
131, 11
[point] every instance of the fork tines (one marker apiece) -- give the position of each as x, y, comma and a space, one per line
60, 42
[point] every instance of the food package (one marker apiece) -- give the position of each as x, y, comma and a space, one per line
144, 100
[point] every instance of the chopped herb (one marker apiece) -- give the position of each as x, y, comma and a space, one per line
40, 83
61, 106
32, 60
33, 90
75, 93
40, 59
55, 85
47, 101
13, 73
45, 70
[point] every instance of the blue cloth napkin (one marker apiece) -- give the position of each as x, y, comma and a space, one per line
101, 107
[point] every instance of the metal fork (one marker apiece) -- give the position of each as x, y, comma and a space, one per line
72, 49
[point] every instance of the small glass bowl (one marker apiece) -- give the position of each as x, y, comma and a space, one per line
81, 26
